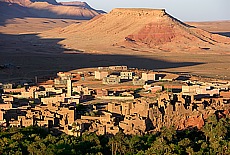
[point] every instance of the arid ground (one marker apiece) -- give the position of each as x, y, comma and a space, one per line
29, 54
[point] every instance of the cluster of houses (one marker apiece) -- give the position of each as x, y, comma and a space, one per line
65, 105
118, 74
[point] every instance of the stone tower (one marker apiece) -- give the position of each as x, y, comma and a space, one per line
69, 87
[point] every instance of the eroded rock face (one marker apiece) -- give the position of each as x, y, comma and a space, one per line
154, 34
141, 13
157, 32
199, 120
165, 29
195, 121
140, 29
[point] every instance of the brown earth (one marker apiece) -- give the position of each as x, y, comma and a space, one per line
41, 53
218, 27
34, 25
212, 26
195, 121
10, 9
140, 30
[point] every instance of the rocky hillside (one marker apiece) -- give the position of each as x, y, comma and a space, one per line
81, 4
45, 9
140, 28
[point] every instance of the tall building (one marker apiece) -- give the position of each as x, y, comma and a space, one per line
69, 87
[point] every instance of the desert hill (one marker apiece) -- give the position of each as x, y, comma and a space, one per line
111, 39
28, 2
148, 29
81, 4
219, 27
10, 9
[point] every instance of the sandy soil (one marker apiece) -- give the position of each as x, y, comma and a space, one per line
213, 26
38, 56
219, 27
141, 31
34, 25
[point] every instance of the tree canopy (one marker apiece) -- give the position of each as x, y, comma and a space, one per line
213, 138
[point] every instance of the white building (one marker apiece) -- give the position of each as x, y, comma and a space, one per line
126, 75
100, 74
148, 76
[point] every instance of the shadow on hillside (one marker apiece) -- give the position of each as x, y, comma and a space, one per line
35, 56
226, 34
11, 11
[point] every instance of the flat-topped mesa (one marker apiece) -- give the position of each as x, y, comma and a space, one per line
138, 12
139, 30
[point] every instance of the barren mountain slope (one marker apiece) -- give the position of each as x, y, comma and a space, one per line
44, 8
81, 4
139, 28
28, 2
213, 26
218, 27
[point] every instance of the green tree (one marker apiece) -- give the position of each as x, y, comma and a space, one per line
118, 143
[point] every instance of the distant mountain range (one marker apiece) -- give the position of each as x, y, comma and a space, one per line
46, 9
